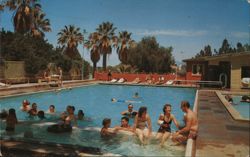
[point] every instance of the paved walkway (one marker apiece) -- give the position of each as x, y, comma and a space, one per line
219, 134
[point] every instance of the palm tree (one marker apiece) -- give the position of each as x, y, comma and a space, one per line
41, 25
124, 43
24, 10
106, 32
69, 38
93, 45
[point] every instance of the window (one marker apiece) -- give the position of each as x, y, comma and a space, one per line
245, 72
197, 69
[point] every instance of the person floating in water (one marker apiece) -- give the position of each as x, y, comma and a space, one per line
130, 113
124, 101
106, 131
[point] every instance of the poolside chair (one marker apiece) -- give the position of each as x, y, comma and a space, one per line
169, 82
121, 80
114, 80
161, 81
3, 84
136, 80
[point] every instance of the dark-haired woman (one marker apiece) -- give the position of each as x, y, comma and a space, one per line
11, 120
165, 121
142, 125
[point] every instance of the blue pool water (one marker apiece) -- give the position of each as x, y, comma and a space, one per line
242, 107
95, 100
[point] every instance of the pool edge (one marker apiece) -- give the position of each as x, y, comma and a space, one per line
233, 112
191, 144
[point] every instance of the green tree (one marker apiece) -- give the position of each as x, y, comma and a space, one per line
106, 32
124, 42
240, 47
225, 47
148, 56
41, 25
27, 15
92, 45
207, 50
69, 38
36, 52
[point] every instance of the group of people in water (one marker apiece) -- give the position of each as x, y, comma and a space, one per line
142, 126
65, 118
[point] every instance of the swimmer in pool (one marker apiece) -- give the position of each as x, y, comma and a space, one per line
136, 95
51, 109
33, 111
25, 106
125, 125
130, 113
124, 101
80, 115
106, 130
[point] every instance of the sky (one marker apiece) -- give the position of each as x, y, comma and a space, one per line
186, 25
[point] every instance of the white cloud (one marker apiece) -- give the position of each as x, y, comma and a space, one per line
184, 33
240, 34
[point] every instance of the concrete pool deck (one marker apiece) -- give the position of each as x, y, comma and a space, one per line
219, 134
40, 87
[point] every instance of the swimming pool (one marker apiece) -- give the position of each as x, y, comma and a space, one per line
95, 100
242, 107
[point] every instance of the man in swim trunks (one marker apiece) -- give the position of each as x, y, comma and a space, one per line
191, 128
124, 125
130, 113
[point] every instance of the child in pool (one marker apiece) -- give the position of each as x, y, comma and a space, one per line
80, 115
11, 120
106, 131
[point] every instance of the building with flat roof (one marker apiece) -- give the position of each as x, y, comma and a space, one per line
229, 68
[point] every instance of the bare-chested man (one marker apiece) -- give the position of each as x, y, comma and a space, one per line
191, 127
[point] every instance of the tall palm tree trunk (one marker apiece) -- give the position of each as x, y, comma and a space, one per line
104, 61
94, 69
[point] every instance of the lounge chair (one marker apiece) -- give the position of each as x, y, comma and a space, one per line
113, 80
121, 80
136, 80
161, 81
3, 84
169, 82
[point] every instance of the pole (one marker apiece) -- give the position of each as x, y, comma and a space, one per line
83, 64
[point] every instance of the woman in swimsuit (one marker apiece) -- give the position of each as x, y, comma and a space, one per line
142, 125
165, 121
